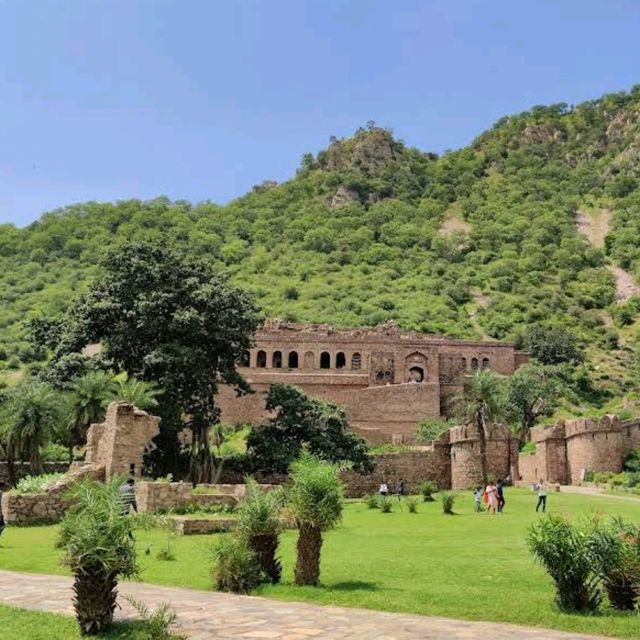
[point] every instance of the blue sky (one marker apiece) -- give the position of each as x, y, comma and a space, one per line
201, 99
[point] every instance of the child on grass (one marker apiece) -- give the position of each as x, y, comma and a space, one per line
477, 497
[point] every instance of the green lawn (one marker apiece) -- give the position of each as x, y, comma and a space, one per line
17, 624
472, 566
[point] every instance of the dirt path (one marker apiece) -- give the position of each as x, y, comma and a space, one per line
594, 226
208, 615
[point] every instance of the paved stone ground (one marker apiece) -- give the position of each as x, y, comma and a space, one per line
218, 616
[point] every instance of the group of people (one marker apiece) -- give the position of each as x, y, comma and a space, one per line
492, 495
384, 489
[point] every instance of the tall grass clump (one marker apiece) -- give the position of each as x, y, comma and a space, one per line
259, 526
564, 550
427, 489
615, 546
447, 500
236, 566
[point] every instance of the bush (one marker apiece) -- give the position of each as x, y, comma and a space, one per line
386, 504
236, 567
632, 461
563, 550
55, 453
412, 504
616, 548
37, 484
372, 501
447, 498
430, 430
427, 489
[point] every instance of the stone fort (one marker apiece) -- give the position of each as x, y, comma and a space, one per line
387, 380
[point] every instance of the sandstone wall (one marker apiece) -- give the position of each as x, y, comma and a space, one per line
412, 467
47, 507
466, 465
119, 443
594, 446
549, 462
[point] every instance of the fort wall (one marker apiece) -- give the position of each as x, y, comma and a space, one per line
566, 451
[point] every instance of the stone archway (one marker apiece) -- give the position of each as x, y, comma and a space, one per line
416, 367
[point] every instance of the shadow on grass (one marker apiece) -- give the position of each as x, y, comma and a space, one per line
352, 585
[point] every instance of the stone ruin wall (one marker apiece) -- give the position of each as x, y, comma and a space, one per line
47, 507
568, 449
118, 444
466, 466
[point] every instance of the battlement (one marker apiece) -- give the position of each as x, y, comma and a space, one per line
587, 426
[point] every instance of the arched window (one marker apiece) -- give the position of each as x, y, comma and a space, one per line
341, 360
463, 364
485, 363
474, 363
293, 359
261, 359
325, 360
356, 361
245, 359
416, 374
309, 360
276, 361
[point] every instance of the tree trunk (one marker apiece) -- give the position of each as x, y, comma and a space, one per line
482, 437
35, 460
11, 468
201, 458
70, 451
265, 547
94, 600
307, 571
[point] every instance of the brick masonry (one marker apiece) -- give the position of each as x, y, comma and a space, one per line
387, 380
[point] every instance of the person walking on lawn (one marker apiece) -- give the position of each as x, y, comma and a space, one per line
541, 490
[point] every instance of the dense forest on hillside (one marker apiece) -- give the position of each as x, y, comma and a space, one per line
536, 222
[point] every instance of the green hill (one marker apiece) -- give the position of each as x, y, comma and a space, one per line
538, 220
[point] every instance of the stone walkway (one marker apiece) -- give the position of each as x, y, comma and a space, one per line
218, 616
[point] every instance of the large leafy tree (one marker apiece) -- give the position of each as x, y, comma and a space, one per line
532, 393
173, 321
482, 403
301, 421
30, 416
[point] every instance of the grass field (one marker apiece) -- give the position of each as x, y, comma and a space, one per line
469, 566
17, 624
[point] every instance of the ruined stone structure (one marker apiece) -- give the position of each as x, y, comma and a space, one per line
119, 443
387, 380
570, 448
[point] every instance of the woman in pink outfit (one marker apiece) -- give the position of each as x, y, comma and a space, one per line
492, 497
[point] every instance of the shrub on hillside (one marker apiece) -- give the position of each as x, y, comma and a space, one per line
563, 550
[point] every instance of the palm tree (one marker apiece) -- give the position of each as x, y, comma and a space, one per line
259, 526
90, 395
99, 549
137, 392
33, 411
316, 504
481, 403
